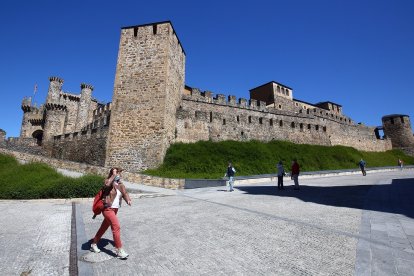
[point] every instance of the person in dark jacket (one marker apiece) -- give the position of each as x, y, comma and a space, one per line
280, 174
230, 174
295, 173
362, 164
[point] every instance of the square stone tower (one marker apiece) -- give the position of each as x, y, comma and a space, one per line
148, 85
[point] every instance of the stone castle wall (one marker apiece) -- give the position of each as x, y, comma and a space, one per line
204, 117
87, 145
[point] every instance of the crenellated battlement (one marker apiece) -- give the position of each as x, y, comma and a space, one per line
221, 99
60, 80
88, 86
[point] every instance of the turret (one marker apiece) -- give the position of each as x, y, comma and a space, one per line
84, 106
397, 127
55, 112
55, 88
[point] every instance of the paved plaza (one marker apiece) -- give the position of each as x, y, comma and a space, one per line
342, 225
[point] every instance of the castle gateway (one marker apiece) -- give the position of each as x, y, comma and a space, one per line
153, 108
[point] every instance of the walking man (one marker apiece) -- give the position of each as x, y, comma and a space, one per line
295, 173
230, 174
362, 164
280, 174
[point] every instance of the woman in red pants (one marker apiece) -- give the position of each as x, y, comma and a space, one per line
113, 192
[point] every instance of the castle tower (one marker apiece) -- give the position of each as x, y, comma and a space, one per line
84, 105
26, 107
55, 88
55, 112
397, 127
148, 84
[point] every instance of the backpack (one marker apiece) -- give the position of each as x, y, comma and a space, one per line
98, 205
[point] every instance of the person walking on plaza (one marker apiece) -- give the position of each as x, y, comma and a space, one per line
400, 163
295, 173
230, 174
113, 192
280, 174
362, 164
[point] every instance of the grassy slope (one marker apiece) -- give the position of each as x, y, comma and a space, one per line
207, 159
37, 180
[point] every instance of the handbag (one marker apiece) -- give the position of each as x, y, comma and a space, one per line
98, 205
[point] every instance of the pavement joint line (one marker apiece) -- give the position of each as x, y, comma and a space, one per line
328, 230
73, 258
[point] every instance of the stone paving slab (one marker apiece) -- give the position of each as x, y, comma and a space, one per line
348, 225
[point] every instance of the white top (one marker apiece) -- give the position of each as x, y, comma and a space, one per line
115, 204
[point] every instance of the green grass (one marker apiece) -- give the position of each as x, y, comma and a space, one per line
206, 159
38, 180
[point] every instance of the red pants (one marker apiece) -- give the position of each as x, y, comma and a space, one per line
110, 220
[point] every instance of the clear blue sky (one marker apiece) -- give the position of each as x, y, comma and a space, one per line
358, 53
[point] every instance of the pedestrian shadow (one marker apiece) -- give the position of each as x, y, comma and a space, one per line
395, 198
102, 244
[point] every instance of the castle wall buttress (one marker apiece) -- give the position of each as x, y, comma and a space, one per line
147, 91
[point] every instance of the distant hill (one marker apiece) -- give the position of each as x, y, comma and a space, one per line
206, 159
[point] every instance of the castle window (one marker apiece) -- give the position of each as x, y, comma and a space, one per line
307, 111
242, 133
154, 29
260, 120
195, 114
301, 126
280, 106
316, 127
135, 31
287, 92
271, 122
324, 128
281, 123
278, 89
296, 104
224, 121
300, 110
309, 126
211, 116
238, 118
250, 119
292, 124
402, 119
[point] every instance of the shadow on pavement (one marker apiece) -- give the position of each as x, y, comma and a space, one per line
396, 197
102, 244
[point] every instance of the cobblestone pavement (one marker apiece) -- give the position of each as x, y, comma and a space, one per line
347, 225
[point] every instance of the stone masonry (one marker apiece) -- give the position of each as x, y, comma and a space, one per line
153, 108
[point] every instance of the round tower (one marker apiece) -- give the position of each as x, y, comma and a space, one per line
55, 112
55, 87
397, 128
84, 106
2, 136
27, 108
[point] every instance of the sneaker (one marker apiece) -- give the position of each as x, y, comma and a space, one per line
94, 248
121, 254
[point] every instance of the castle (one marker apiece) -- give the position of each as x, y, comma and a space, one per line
153, 108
